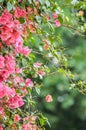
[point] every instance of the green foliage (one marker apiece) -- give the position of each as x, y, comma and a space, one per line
68, 110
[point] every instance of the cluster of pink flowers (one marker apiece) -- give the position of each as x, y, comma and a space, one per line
19, 13
11, 44
29, 83
7, 66
11, 31
12, 100
39, 69
55, 18
29, 123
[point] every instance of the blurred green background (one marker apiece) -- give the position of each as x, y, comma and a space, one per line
68, 109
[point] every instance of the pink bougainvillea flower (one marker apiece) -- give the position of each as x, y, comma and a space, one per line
24, 91
25, 32
29, 82
10, 63
19, 12
25, 119
1, 62
6, 17
15, 102
1, 128
30, 10
8, 58
25, 127
2, 112
49, 98
26, 51
31, 27
41, 73
18, 79
5, 74
28, 126
2, 91
58, 24
5, 33
35, 11
16, 34
17, 25
18, 70
47, 17
16, 118
11, 66
54, 15
37, 65
19, 44
10, 92
6, 91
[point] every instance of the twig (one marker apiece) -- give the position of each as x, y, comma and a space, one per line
79, 32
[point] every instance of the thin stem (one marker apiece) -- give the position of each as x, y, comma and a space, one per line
70, 27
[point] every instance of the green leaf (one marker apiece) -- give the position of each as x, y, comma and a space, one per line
60, 19
47, 3
38, 19
37, 90
9, 6
50, 26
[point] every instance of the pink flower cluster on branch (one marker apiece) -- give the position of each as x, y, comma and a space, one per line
11, 31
